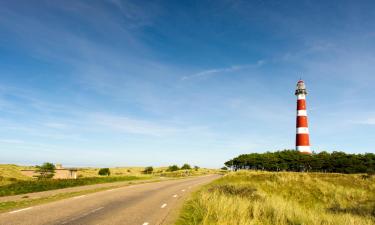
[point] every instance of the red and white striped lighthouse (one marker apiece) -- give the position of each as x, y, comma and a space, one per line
302, 135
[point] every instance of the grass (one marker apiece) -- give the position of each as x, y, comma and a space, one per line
13, 182
246, 198
7, 206
29, 186
10, 173
11, 205
116, 171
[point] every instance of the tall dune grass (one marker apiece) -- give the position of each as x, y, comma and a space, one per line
265, 198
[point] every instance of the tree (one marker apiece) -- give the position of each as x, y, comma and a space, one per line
45, 171
173, 168
196, 168
104, 172
148, 170
186, 167
292, 160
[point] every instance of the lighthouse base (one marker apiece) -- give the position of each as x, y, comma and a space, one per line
304, 149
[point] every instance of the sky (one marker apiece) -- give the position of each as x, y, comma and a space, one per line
155, 83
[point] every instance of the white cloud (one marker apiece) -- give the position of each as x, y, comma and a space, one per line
133, 126
368, 121
55, 125
223, 70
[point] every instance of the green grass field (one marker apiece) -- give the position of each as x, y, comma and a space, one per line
29, 186
266, 198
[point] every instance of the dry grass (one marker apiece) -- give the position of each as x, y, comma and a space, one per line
283, 198
138, 171
116, 171
10, 173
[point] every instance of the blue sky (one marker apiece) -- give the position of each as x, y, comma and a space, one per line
137, 83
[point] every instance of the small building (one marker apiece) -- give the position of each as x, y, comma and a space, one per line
60, 172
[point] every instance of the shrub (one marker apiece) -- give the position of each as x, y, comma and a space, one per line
148, 170
224, 168
173, 168
196, 168
45, 171
186, 167
104, 172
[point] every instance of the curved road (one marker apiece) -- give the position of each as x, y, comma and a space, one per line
143, 204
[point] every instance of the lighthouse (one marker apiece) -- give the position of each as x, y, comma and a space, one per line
302, 131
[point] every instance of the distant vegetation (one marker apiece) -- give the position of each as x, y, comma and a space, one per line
278, 198
13, 182
173, 168
148, 170
183, 167
186, 167
104, 172
291, 160
28, 186
45, 171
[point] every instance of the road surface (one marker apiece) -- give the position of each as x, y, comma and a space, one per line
143, 204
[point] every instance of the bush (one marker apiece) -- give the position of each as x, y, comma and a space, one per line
186, 167
224, 168
104, 172
148, 170
45, 171
173, 168
196, 168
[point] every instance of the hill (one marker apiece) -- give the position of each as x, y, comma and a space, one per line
278, 198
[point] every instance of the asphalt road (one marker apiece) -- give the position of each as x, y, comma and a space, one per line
142, 204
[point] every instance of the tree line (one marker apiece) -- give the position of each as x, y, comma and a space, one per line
292, 160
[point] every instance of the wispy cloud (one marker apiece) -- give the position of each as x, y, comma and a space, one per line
11, 141
55, 125
368, 121
146, 127
229, 69
134, 126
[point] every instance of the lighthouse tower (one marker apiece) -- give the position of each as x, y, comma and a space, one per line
302, 135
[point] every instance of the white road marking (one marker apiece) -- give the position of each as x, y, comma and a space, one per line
183, 190
81, 196
145, 223
163, 206
95, 210
15, 211
175, 196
